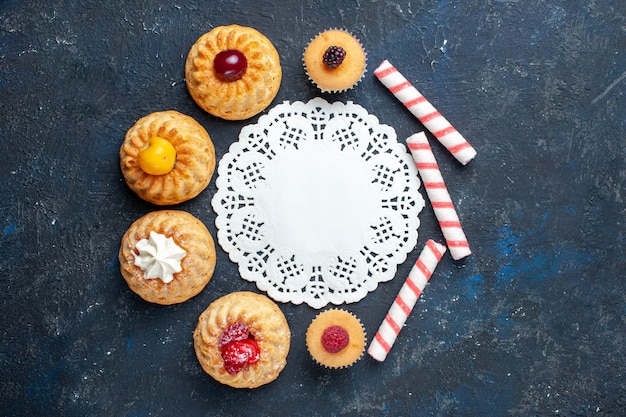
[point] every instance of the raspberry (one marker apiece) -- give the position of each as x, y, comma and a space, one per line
334, 56
335, 338
239, 353
234, 331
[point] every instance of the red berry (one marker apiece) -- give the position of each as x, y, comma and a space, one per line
254, 353
251, 349
234, 331
234, 356
230, 65
239, 353
335, 338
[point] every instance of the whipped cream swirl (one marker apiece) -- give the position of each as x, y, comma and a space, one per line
159, 257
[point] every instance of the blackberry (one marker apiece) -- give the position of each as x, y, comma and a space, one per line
334, 56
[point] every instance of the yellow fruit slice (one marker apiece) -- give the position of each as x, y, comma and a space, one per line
157, 157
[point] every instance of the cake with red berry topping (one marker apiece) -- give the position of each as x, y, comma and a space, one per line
167, 256
334, 61
233, 72
167, 158
336, 338
242, 340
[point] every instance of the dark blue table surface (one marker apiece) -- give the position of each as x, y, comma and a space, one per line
533, 323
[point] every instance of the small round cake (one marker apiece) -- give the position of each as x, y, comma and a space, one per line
336, 339
167, 158
233, 72
335, 61
242, 340
167, 256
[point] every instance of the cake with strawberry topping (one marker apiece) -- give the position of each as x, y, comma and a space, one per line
335, 61
336, 338
233, 72
242, 340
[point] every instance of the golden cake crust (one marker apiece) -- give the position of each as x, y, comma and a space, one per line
198, 265
245, 97
347, 74
348, 355
267, 325
195, 158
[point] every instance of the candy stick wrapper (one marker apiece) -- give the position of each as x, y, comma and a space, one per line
406, 299
425, 112
439, 197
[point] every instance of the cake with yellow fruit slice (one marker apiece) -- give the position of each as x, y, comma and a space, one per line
167, 158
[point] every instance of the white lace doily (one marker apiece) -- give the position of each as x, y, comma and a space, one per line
317, 203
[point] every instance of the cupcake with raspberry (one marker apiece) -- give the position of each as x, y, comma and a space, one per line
336, 339
335, 61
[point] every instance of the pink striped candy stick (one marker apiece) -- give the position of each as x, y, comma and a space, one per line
406, 299
425, 112
439, 197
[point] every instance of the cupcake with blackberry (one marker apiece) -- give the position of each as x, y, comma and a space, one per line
335, 61
336, 339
